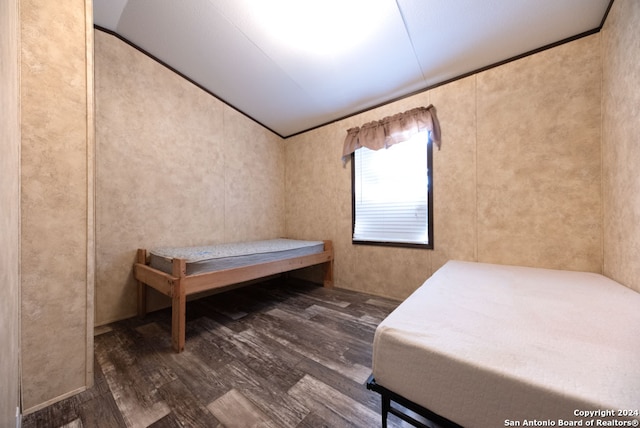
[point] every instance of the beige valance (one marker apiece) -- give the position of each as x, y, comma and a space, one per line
392, 130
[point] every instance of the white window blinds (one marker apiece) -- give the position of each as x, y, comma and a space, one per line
391, 193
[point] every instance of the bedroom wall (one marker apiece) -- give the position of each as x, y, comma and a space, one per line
56, 200
175, 167
518, 179
620, 145
9, 211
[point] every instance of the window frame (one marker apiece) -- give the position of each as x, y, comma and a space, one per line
429, 245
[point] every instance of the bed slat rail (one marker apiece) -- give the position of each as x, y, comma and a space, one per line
163, 282
202, 282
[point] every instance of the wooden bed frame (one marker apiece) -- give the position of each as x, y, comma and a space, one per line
178, 285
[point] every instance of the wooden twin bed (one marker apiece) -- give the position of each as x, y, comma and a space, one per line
483, 345
180, 272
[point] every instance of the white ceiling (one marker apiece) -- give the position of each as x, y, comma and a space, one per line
293, 65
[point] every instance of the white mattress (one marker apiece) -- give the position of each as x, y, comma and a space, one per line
486, 344
232, 255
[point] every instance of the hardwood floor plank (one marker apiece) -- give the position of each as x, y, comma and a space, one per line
344, 385
314, 421
319, 344
332, 405
186, 408
387, 305
356, 372
74, 424
256, 352
197, 367
358, 337
372, 314
101, 412
135, 396
169, 421
280, 407
234, 410
350, 324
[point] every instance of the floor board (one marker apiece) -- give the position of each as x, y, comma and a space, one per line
275, 354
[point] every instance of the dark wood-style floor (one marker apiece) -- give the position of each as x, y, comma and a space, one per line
275, 354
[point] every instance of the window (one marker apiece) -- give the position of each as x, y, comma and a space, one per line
392, 194
392, 189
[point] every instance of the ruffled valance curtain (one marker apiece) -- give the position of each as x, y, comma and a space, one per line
392, 130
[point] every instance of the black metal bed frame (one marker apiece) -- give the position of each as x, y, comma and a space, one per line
388, 396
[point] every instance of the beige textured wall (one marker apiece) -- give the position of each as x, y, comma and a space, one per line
55, 208
9, 211
538, 160
620, 144
517, 180
175, 167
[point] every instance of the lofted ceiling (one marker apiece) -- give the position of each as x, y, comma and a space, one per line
293, 65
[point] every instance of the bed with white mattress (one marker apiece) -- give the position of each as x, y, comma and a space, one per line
482, 345
179, 272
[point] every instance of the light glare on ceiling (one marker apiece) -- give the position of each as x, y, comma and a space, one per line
320, 27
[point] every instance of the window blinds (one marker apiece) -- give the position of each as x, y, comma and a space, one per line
391, 193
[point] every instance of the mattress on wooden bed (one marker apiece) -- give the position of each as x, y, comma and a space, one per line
485, 344
232, 255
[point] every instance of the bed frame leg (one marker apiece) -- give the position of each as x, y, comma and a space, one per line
178, 306
142, 287
386, 405
178, 320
